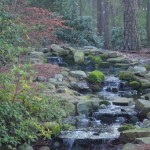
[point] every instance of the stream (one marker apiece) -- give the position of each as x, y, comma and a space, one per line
99, 130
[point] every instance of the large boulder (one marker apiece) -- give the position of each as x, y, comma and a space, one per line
59, 51
143, 106
131, 135
78, 74
78, 57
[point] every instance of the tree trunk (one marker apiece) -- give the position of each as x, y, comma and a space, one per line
131, 36
99, 17
81, 7
106, 21
148, 23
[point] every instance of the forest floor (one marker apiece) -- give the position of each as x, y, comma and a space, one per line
142, 56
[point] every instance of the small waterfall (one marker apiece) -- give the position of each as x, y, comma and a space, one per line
68, 143
54, 60
112, 84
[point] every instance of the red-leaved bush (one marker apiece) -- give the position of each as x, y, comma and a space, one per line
41, 23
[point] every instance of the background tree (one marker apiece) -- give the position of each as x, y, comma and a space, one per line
148, 23
131, 35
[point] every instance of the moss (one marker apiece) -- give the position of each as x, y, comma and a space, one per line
95, 59
128, 76
126, 127
104, 56
135, 84
95, 77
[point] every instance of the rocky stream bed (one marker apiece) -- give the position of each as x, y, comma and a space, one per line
97, 115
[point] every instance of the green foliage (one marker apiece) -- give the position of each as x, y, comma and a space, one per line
18, 102
117, 37
135, 84
95, 77
52, 126
81, 32
66, 127
126, 127
10, 38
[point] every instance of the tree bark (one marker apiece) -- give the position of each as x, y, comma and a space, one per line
107, 43
148, 23
99, 17
131, 36
81, 7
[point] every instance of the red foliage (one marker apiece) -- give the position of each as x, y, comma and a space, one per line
41, 23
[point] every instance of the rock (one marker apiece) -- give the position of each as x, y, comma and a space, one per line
51, 86
130, 146
102, 106
90, 49
52, 80
148, 115
38, 55
41, 79
143, 106
122, 65
145, 140
57, 50
25, 147
43, 50
59, 77
36, 61
113, 54
78, 74
87, 107
44, 148
79, 57
122, 101
147, 75
131, 135
81, 85
139, 69
144, 82
118, 60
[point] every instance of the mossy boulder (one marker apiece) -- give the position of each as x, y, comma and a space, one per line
95, 77
131, 135
126, 127
79, 57
135, 84
126, 75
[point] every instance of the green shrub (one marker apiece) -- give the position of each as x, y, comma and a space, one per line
81, 32
52, 126
135, 84
126, 127
66, 127
95, 77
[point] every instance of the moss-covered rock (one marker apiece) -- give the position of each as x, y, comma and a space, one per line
135, 84
95, 77
126, 75
126, 127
